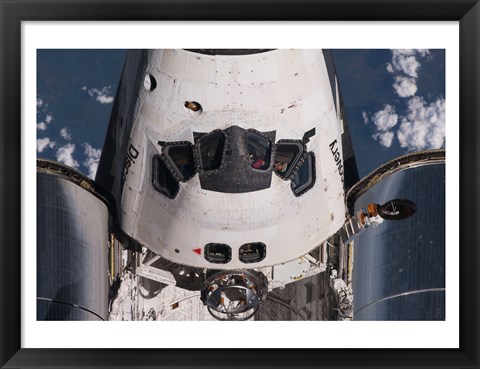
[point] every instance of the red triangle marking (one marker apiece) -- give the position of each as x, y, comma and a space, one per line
198, 251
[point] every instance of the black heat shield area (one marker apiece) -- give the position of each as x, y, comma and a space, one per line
236, 174
228, 51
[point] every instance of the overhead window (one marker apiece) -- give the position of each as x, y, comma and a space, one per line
180, 155
218, 253
287, 155
259, 150
211, 149
252, 252
162, 180
304, 179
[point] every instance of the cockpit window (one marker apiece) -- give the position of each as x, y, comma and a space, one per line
287, 155
180, 156
211, 150
259, 150
162, 180
304, 179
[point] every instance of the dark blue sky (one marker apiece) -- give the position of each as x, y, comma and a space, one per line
394, 102
367, 87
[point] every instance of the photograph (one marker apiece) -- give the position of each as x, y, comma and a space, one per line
240, 184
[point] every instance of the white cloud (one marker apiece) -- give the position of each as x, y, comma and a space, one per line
65, 155
102, 95
424, 126
405, 61
104, 99
42, 126
92, 159
65, 134
405, 67
42, 143
405, 86
407, 64
385, 119
384, 138
42, 111
365, 117
423, 52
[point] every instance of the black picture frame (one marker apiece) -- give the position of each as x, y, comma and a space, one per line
12, 13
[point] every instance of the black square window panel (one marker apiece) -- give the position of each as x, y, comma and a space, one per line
252, 252
218, 253
304, 179
287, 156
211, 149
181, 157
162, 180
259, 150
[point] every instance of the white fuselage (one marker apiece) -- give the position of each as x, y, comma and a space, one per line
285, 91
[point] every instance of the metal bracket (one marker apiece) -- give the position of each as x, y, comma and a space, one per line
156, 274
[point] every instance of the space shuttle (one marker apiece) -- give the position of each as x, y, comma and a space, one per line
227, 175
229, 163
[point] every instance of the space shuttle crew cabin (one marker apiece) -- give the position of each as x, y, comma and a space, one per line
228, 175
